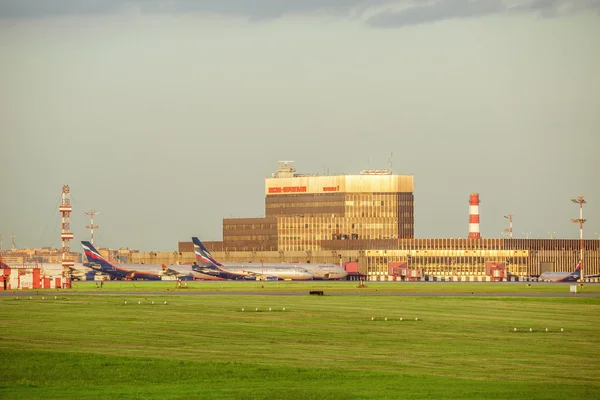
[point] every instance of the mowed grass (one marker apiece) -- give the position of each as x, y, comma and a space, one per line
320, 347
330, 287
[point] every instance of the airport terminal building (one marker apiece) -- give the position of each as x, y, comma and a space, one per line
366, 222
304, 211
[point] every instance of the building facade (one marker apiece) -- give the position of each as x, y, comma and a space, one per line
303, 211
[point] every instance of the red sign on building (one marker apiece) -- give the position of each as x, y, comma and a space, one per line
287, 189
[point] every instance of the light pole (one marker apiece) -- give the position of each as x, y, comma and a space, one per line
509, 217
580, 221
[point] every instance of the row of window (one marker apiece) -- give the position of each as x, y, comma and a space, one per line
318, 226
251, 237
246, 227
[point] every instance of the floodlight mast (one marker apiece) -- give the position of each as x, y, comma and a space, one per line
580, 221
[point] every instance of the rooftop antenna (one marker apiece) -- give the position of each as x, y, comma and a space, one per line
91, 226
13, 242
285, 170
390, 161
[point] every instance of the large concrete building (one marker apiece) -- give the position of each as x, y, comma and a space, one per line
302, 212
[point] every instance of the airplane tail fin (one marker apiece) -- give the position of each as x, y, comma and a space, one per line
94, 256
203, 255
575, 275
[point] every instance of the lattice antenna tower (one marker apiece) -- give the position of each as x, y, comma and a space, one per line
91, 226
66, 235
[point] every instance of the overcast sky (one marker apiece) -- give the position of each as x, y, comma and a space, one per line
166, 116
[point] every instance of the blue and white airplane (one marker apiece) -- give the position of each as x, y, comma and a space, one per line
240, 271
152, 272
564, 276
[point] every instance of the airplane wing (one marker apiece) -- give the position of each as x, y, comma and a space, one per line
258, 275
169, 271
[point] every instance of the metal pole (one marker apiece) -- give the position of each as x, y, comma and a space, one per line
580, 200
509, 217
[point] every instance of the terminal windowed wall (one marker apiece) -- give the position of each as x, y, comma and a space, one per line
323, 205
250, 234
305, 221
456, 257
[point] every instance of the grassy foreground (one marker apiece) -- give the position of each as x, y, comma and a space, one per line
328, 286
319, 347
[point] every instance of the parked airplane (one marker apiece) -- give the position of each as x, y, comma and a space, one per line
135, 271
208, 265
564, 276
318, 271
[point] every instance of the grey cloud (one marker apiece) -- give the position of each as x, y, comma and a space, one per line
249, 8
413, 11
454, 9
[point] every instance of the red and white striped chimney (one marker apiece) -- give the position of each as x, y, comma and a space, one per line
474, 216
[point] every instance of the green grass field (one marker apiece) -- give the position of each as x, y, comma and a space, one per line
331, 287
321, 347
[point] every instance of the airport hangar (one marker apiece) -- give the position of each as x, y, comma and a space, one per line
366, 223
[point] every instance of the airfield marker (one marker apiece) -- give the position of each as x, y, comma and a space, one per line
165, 302
283, 308
256, 308
372, 319
515, 329
43, 298
152, 301
139, 302
269, 308
530, 329
546, 329
30, 297
125, 302
401, 319
242, 308
416, 319
386, 318
561, 329
55, 297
